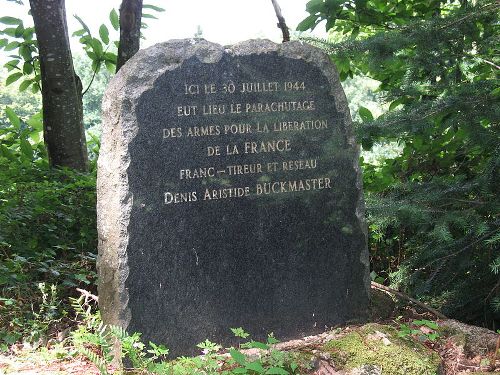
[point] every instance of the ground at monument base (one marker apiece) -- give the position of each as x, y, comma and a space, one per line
370, 349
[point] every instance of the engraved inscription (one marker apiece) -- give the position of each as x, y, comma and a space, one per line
263, 128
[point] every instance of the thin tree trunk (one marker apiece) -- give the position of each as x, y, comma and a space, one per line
281, 21
64, 134
130, 30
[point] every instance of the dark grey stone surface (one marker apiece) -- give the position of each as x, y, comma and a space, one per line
271, 238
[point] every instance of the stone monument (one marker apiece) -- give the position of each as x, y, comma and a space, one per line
229, 195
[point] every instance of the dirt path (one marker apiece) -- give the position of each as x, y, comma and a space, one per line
38, 366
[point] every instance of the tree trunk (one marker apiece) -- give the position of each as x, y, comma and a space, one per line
130, 30
281, 21
64, 134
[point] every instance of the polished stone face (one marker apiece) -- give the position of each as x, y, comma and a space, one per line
245, 205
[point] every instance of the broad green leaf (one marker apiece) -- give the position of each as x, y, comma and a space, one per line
258, 345
19, 31
332, 4
3, 42
11, 46
367, 143
80, 32
82, 278
25, 52
27, 68
6, 152
25, 84
92, 55
13, 118
239, 370
365, 114
10, 20
104, 34
427, 323
26, 148
307, 23
154, 7
396, 103
96, 65
111, 67
28, 33
109, 56
10, 31
36, 121
271, 340
238, 357
115, 21
276, 371
13, 78
12, 64
343, 64
315, 6
85, 39
355, 32
35, 136
96, 46
255, 366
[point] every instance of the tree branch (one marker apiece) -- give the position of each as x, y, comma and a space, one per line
408, 298
91, 80
281, 21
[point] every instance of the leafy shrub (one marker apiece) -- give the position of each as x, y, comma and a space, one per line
47, 232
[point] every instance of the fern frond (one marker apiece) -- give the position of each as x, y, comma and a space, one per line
96, 359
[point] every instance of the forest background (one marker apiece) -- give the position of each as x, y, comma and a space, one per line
421, 77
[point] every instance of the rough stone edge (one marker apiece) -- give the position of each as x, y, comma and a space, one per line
115, 202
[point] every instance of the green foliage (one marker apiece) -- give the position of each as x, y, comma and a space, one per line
32, 328
433, 207
97, 342
90, 338
24, 104
19, 41
151, 9
368, 345
98, 49
423, 329
21, 141
47, 233
47, 216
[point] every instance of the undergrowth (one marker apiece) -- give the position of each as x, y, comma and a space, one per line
48, 236
107, 344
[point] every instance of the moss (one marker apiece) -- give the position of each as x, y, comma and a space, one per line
400, 357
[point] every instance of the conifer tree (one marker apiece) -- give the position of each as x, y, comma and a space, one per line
434, 209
